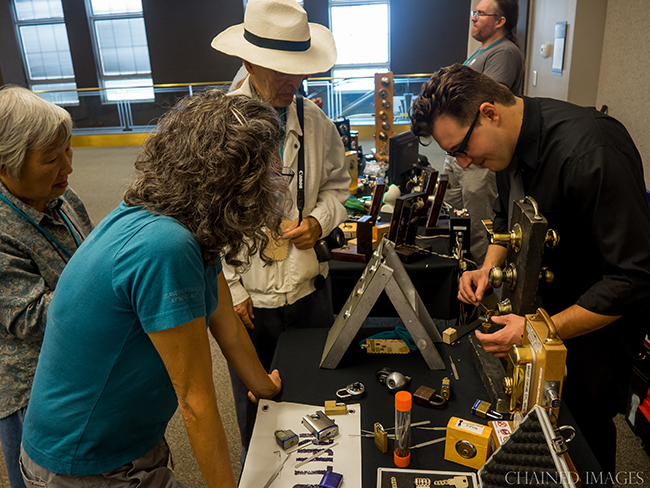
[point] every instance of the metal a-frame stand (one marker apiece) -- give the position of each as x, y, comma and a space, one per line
384, 271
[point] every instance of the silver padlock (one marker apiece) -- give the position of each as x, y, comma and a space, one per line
353, 390
320, 425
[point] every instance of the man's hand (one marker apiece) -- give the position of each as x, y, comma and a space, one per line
499, 342
318, 101
245, 312
305, 235
277, 386
472, 286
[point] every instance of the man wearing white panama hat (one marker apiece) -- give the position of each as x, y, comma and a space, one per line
280, 48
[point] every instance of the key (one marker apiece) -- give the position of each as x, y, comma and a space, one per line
457, 481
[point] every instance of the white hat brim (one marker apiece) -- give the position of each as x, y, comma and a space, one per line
320, 56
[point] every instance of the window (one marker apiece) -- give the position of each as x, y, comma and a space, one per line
361, 51
121, 49
43, 40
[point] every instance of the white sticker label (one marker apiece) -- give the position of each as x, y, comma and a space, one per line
470, 427
527, 382
534, 339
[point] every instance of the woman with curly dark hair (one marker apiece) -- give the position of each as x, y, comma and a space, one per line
126, 340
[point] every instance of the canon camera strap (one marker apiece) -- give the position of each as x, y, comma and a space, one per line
300, 199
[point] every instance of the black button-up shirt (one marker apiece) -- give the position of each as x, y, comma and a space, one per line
584, 171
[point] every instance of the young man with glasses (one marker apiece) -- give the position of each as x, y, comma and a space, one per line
499, 57
584, 171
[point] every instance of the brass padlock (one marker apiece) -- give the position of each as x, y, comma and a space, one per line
483, 409
381, 437
445, 390
428, 397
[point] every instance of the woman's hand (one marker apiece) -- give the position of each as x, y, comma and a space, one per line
274, 390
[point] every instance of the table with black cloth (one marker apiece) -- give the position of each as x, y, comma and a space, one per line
434, 277
298, 355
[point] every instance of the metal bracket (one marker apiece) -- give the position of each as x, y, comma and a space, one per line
384, 271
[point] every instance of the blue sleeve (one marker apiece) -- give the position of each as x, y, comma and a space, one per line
160, 272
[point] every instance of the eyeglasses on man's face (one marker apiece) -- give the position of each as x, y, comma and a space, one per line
474, 14
460, 152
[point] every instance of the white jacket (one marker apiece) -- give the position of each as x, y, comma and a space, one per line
327, 187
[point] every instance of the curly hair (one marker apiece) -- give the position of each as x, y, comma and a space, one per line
457, 91
28, 123
213, 165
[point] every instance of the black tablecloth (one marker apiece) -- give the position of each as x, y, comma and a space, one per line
434, 277
299, 353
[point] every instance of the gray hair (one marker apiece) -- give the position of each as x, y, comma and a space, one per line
28, 123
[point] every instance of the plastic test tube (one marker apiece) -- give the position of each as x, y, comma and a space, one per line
403, 402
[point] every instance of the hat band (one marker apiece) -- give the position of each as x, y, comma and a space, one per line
276, 44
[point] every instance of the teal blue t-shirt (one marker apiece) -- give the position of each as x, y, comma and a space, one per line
101, 395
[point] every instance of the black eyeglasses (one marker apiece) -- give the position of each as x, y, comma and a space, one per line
460, 152
478, 13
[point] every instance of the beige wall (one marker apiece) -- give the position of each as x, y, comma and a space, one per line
586, 51
625, 72
543, 16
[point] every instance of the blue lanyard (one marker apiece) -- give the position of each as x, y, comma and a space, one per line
42, 230
480, 51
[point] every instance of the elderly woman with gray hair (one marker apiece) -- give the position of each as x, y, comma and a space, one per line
42, 223
127, 332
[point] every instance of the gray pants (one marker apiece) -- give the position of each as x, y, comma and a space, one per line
148, 471
475, 189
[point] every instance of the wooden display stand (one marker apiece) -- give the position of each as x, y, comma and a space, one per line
383, 112
434, 225
361, 252
404, 226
